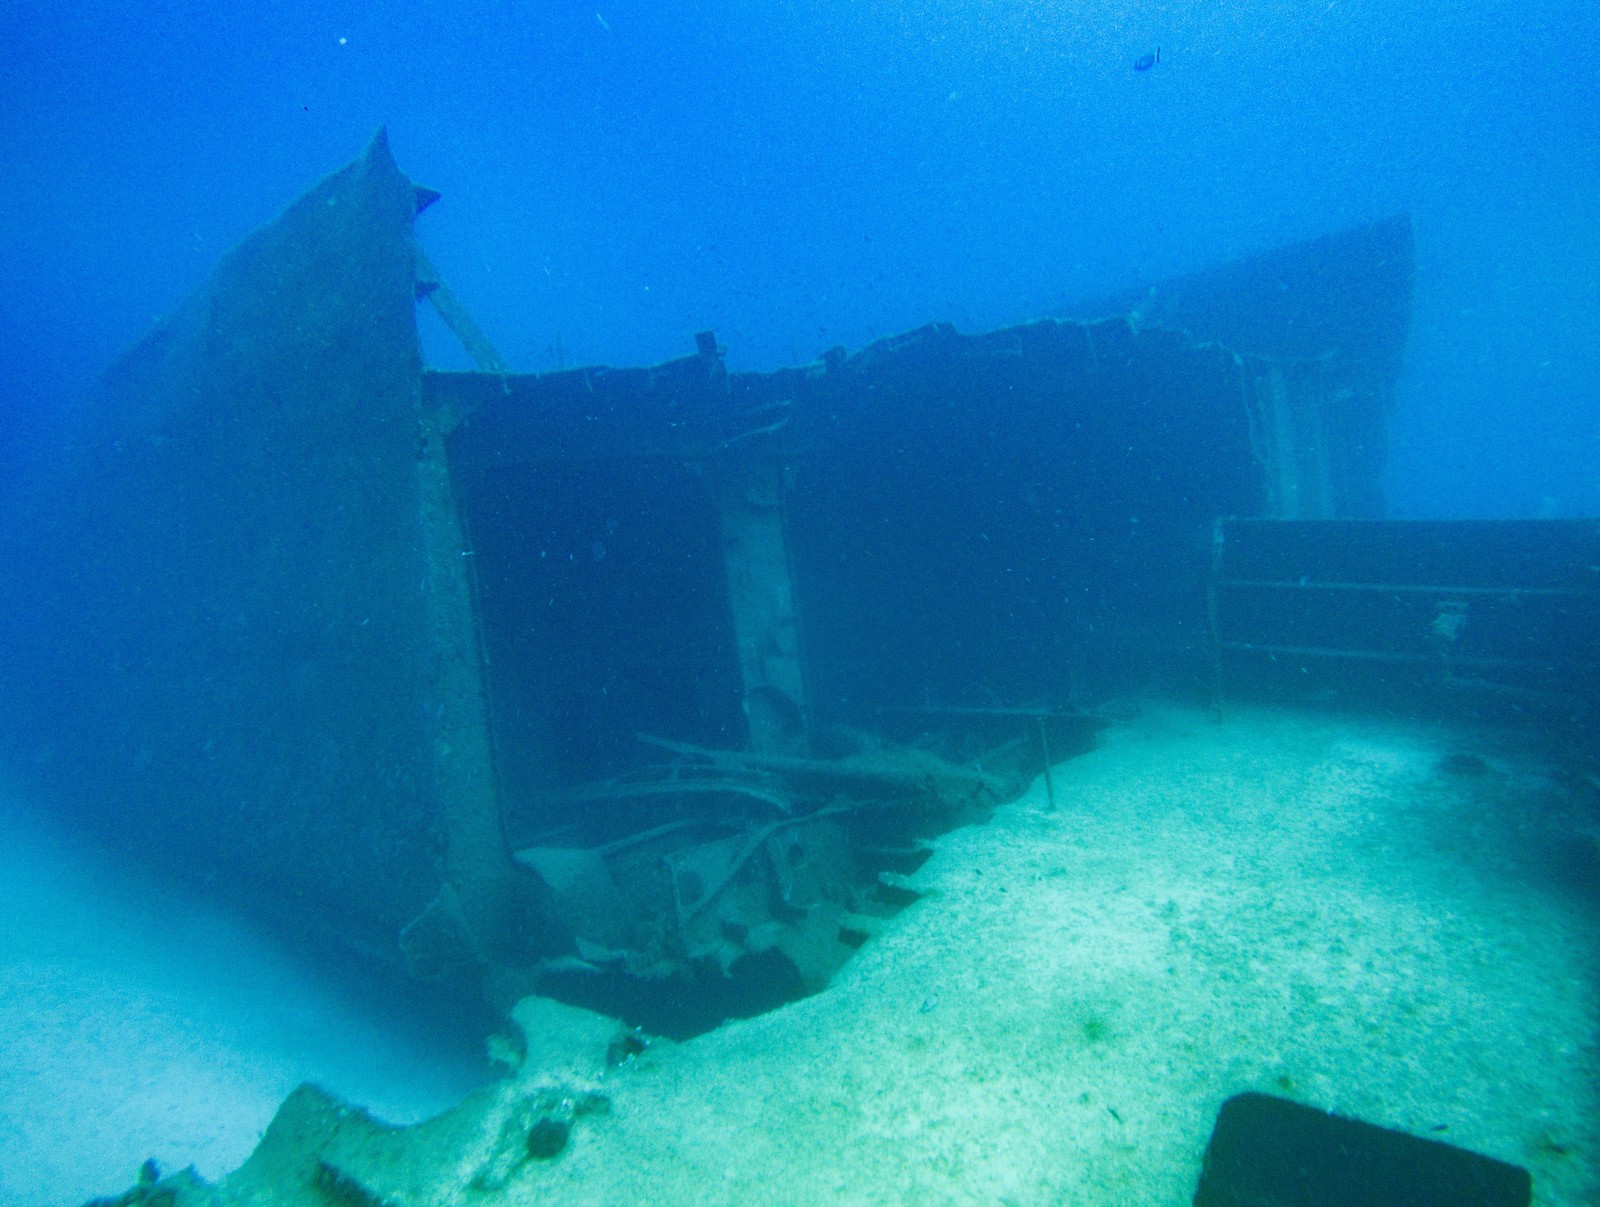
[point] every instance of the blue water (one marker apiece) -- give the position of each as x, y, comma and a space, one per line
619, 174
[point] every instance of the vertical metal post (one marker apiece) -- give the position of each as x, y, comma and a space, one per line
1217, 547
1049, 778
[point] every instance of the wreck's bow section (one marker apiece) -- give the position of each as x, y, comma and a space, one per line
263, 668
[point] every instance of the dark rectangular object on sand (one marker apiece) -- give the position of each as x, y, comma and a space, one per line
1271, 1152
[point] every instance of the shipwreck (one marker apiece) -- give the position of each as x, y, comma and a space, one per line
644, 688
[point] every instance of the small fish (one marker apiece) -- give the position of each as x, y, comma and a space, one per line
1146, 61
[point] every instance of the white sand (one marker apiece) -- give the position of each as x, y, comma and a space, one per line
137, 1023
1299, 906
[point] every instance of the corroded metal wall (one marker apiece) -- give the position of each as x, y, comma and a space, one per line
963, 518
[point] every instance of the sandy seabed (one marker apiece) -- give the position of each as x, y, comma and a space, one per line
1392, 921
1327, 909
140, 1022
